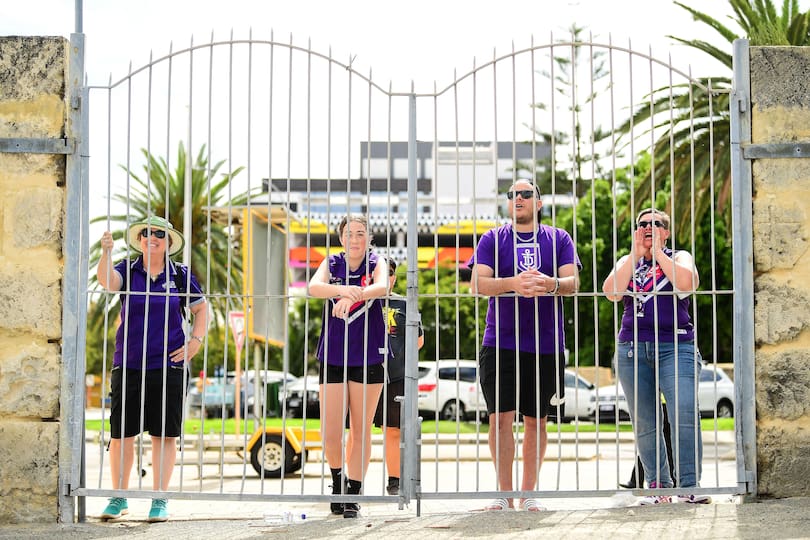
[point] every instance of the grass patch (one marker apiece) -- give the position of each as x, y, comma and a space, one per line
214, 426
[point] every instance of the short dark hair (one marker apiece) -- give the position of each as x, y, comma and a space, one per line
392, 267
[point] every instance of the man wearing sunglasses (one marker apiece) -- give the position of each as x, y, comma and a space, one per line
525, 268
656, 353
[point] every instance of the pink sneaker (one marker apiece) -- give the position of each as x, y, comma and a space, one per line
650, 500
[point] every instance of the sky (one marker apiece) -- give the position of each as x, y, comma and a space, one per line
419, 44
419, 41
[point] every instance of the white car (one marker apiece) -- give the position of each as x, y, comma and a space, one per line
450, 389
715, 396
301, 394
578, 402
715, 393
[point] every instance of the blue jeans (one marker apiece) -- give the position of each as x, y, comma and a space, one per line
677, 377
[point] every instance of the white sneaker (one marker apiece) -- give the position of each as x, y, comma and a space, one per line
650, 500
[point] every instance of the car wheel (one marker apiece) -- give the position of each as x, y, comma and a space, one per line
725, 409
275, 457
453, 409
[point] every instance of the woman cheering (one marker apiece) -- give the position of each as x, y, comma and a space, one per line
656, 353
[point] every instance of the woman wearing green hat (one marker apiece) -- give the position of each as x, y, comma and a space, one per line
151, 352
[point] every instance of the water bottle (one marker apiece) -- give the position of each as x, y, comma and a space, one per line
284, 518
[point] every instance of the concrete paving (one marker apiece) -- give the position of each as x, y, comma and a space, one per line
771, 519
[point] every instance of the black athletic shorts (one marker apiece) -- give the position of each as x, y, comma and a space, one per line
334, 374
153, 414
501, 370
394, 408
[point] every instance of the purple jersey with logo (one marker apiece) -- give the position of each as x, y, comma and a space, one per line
137, 322
362, 334
509, 253
644, 306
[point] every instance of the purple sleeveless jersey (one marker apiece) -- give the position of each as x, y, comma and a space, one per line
362, 335
537, 319
643, 308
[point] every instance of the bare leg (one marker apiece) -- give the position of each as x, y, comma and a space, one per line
333, 418
360, 420
392, 463
532, 459
164, 454
121, 470
502, 448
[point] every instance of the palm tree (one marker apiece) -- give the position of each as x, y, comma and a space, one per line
699, 127
162, 192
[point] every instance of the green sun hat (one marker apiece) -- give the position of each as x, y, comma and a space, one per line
155, 222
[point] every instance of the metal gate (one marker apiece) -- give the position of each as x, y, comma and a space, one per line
256, 148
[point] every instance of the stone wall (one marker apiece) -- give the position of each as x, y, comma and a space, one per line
32, 105
780, 95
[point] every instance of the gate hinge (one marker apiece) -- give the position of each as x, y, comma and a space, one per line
776, 150
37, 146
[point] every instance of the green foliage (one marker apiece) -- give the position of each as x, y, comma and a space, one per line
215, 259
452, 318
306, 316
694, 146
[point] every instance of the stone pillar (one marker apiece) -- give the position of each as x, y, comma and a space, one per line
780, 95
32, 105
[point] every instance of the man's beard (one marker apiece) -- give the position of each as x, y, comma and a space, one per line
526, 220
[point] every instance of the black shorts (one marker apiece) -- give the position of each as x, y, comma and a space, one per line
334, 374
502, 369
153, 414
394, 408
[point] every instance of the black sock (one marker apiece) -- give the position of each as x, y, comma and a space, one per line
354, 487
337, 481
393, 479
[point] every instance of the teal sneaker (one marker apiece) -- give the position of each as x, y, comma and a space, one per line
116, 507
158, 511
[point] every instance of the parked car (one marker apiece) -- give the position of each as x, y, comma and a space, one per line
304, 392
578, 402
715, 392
220, 392
715, 395
606, 401
450, 389
213, 394
271, 384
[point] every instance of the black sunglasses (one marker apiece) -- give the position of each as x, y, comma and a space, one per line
157, 233
524, 193
657, 223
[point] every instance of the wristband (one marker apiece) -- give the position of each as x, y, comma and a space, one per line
198, 338
556, 286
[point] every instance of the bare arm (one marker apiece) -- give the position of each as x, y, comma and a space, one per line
680, 270
616, 283
198, 330
319, 285
106, 274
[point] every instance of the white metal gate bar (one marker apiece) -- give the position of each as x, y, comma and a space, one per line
288, 121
